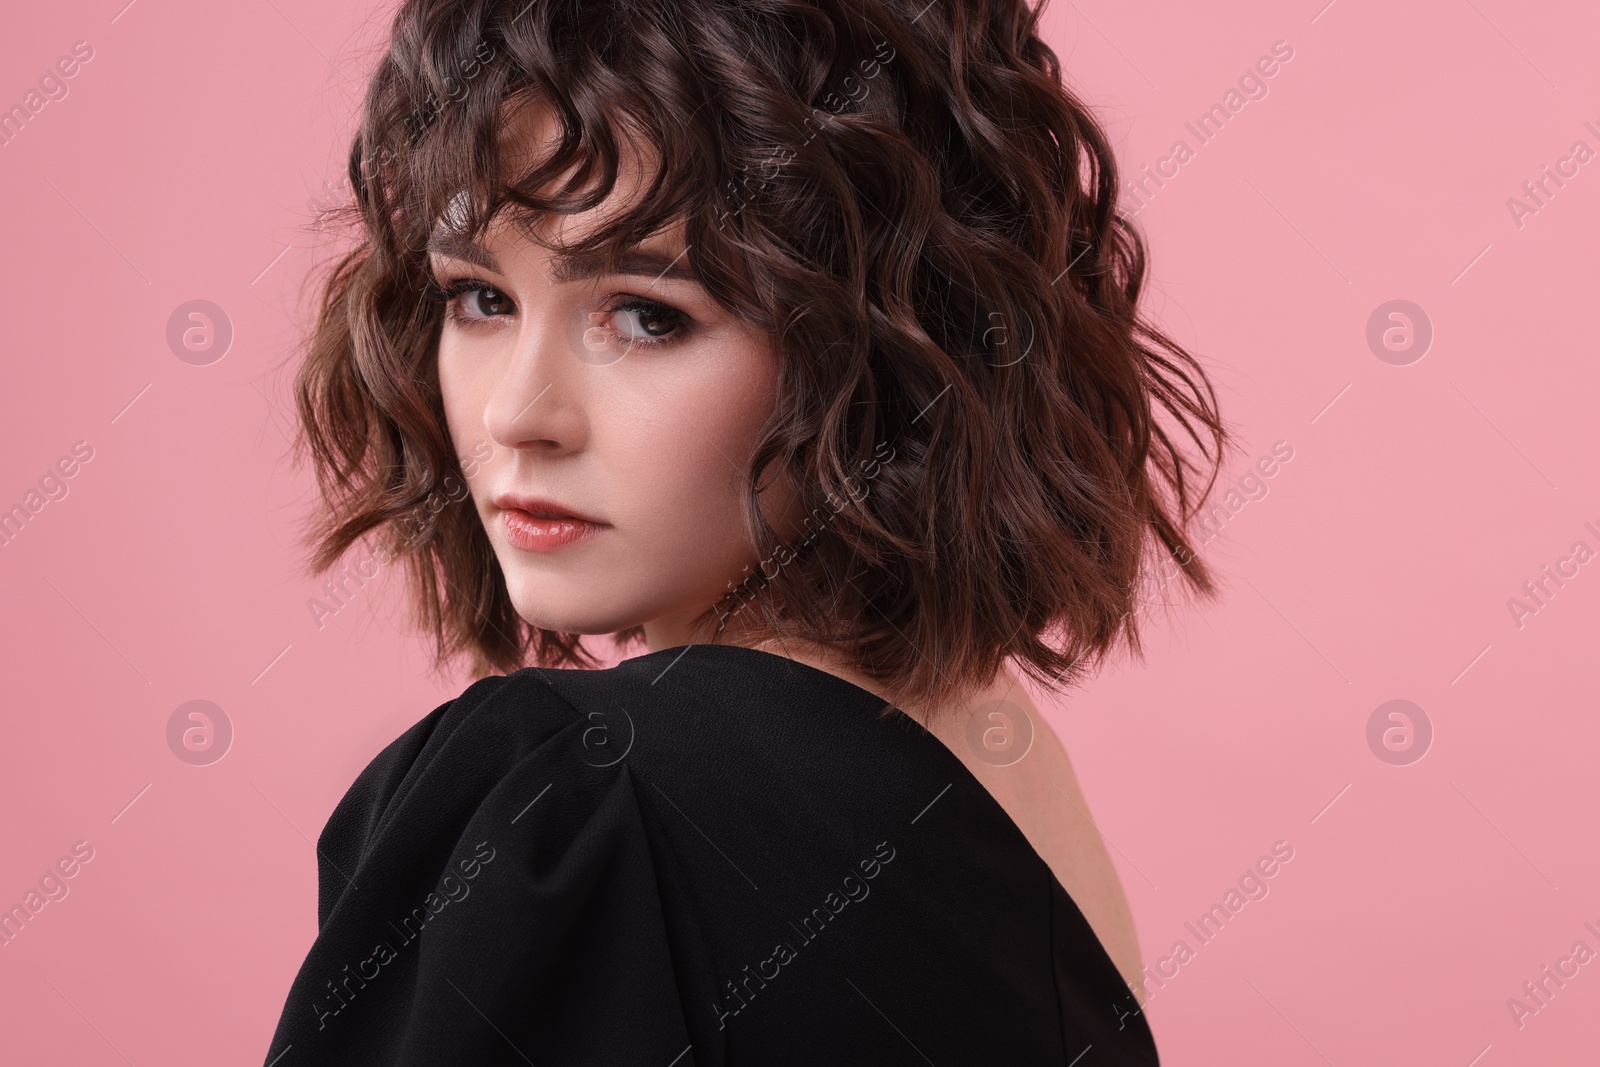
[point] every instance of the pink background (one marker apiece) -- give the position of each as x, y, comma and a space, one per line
1378, 566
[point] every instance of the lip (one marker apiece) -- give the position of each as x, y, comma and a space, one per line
543, 507
535, 524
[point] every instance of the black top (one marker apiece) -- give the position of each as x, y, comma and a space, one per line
705, 856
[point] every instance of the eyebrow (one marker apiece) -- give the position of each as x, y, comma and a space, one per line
570, 268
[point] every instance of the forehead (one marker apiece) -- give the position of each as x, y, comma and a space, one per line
529, 133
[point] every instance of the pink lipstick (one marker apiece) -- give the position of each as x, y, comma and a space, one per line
536, 525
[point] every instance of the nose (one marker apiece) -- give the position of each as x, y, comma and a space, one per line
539, 403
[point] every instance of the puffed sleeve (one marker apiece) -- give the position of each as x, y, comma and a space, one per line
487, 895
355, 819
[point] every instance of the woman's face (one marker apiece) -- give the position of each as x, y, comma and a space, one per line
606, 422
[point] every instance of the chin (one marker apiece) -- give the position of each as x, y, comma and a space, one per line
584, 606
549, 613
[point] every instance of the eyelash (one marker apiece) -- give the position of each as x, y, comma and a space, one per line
650, 309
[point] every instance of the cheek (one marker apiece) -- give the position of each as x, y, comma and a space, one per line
688, 448
464, 393
461, 392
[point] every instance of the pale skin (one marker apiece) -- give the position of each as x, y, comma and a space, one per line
654, 445
1040, 792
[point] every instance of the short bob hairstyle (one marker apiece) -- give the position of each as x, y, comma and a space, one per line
991, 442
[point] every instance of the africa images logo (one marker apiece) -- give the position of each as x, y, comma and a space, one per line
784, 952
451, 889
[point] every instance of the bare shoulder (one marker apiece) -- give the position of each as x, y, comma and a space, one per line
1040, 792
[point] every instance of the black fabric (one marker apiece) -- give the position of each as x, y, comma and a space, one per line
706, 856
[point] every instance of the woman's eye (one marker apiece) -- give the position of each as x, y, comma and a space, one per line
469, 300
484, 303
645, 322
631, 321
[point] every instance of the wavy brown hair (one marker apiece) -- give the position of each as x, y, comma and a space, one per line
989, 438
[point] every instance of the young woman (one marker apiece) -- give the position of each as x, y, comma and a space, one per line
795, 341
